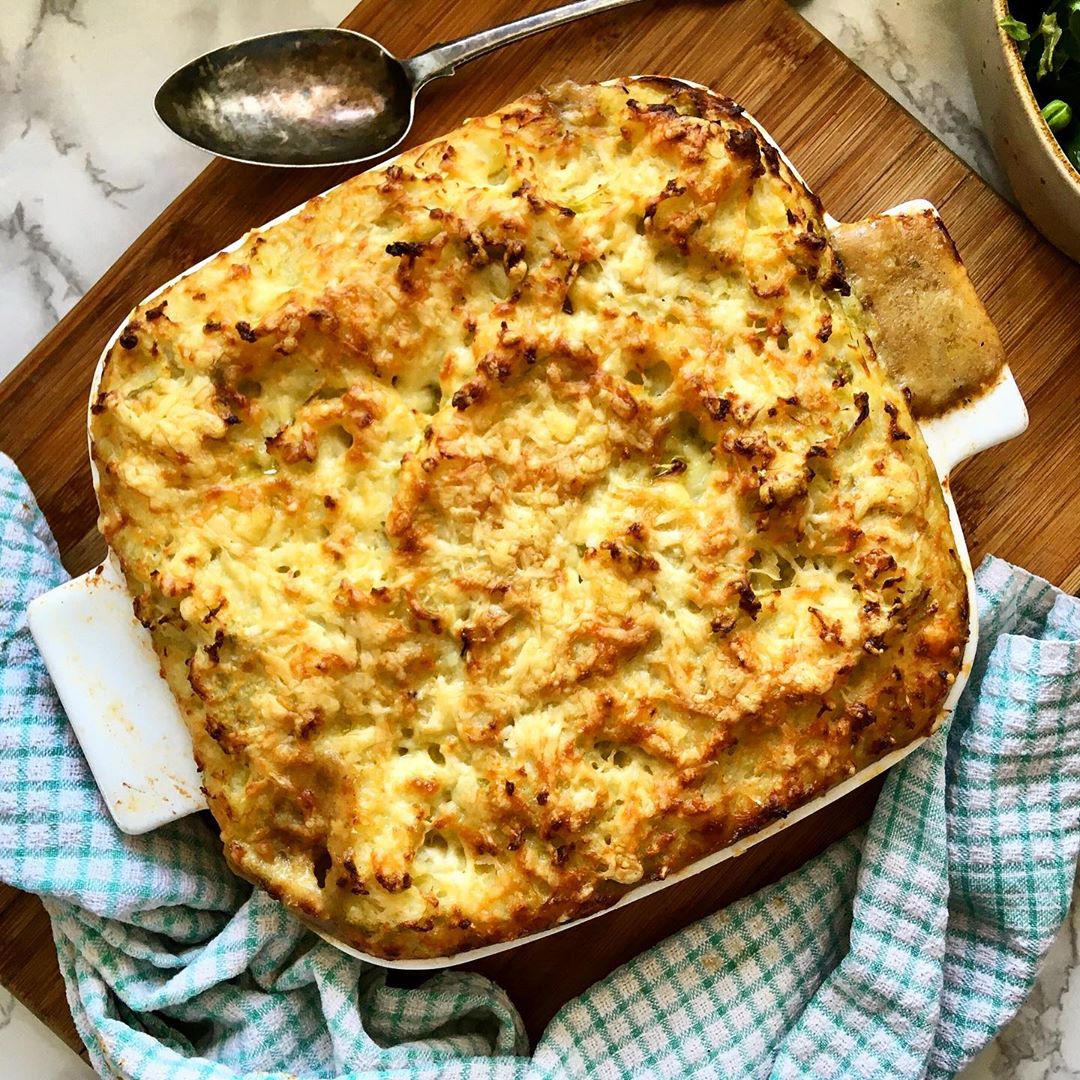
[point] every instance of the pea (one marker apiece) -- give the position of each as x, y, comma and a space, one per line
1057, 114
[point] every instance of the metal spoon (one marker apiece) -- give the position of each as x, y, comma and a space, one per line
321, 97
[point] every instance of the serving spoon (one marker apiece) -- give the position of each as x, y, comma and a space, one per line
322, 97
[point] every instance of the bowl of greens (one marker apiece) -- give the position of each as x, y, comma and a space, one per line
1024, 57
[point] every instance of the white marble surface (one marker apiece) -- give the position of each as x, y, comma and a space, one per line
30, 1051
85, 166
912, 48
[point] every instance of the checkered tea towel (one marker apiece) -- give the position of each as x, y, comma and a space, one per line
897, 953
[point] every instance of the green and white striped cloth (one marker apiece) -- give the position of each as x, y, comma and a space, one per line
897, 953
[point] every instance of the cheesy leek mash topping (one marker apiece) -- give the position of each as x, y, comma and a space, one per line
526, 519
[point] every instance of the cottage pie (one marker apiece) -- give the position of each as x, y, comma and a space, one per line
522, 521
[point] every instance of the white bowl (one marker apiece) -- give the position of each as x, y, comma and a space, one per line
1045, 184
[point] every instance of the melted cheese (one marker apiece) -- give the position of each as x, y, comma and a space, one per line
525, 520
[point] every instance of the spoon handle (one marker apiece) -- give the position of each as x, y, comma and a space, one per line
444, 58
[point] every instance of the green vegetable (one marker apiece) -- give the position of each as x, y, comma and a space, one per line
1051, 34
1057, 114
1017, 30
1047, 36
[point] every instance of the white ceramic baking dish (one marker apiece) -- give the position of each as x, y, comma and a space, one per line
139, 750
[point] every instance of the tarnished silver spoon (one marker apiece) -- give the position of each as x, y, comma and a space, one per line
322, 97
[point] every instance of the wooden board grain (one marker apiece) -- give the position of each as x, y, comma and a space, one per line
856, 147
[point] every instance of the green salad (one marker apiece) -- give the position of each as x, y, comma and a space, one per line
1048, 37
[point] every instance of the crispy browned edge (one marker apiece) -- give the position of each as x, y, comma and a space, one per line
942, 367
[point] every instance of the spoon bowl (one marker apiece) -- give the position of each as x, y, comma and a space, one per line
299, 97
322, 97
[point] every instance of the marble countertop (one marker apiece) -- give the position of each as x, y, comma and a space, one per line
85, 167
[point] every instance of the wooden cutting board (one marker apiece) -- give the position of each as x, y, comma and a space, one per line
857, 148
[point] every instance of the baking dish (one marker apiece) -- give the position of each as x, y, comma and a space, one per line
78, 627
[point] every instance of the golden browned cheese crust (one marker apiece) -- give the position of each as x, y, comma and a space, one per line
526, 520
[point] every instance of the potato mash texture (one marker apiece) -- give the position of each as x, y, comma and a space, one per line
524, 520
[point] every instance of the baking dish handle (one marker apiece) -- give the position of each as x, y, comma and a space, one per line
122, 712
994, 417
